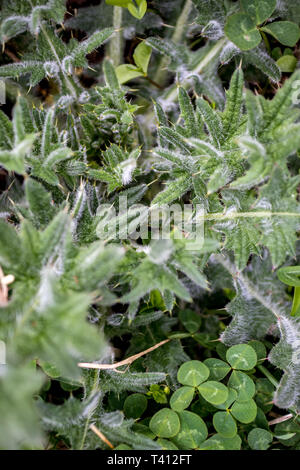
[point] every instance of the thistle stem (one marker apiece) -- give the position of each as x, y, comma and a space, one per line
115, 45
68, 82
296, 302
176, 37
268, 375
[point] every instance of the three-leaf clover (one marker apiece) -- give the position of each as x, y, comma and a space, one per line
245, 27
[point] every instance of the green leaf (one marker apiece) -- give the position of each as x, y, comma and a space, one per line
192, 373
218, 369
213, 392
127, 72
286, 32
14, 160
259, 439
190, 320
245, 412
58, 155
34, 68
19, 416
187, 112
6, 131
166, 445
232, 114
10, 249
241, 357
242, 31
95, 264
93, 42
259, 10
175, 190
142, 55
242, 384
182, 398
224, 424
193, 431
123, 447
288, 433
287, 63
165, 423
118, 3
218, 442
290, 275
232, 396
139, 10
212, 121
149, 276
259, 348
50, 369
135, 405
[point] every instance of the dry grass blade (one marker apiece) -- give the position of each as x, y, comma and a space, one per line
101, 436
125, 362
281, 419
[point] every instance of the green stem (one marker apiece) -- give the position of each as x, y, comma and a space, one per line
182, 22
115, 45
68, 83
296, 303
268, 375
176, 37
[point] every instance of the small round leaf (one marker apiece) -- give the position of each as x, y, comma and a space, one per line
259, 10
264, 394
242, 31
123, 447
193, 431
213, 392
166, 445
135, 405
242, 384
259, 439
224, 424
241, 357
232, 396
245, 412
190, 320
165, 423
218, 442
286, 32
192, 373
287, 63
182, 398
259, 348
218, 369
